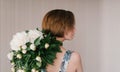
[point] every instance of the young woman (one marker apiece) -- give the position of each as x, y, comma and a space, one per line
61, 24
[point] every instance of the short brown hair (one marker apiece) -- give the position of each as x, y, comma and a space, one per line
58, 21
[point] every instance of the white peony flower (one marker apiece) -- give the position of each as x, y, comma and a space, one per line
19, 56
32, 47
46, 45
20, 70
33, 34
24, 46
24, 51
13, 69
38, 58
33, 70
18, 40
10, 55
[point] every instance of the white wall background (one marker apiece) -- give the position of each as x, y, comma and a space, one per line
110, 36
97, 22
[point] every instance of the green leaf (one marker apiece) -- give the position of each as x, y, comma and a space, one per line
37, 41
38, 64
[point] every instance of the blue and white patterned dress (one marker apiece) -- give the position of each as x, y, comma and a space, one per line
64, 63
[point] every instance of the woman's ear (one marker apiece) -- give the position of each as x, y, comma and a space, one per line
68, 35
65, 33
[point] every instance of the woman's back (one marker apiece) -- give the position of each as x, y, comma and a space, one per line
63, 63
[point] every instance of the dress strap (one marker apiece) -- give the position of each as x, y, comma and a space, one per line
65, 61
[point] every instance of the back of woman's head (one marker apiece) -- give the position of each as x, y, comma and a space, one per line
58, 21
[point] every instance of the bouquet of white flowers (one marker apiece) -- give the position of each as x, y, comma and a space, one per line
32, 50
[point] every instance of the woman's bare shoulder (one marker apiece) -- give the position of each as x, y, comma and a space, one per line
75, 56
76, 61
